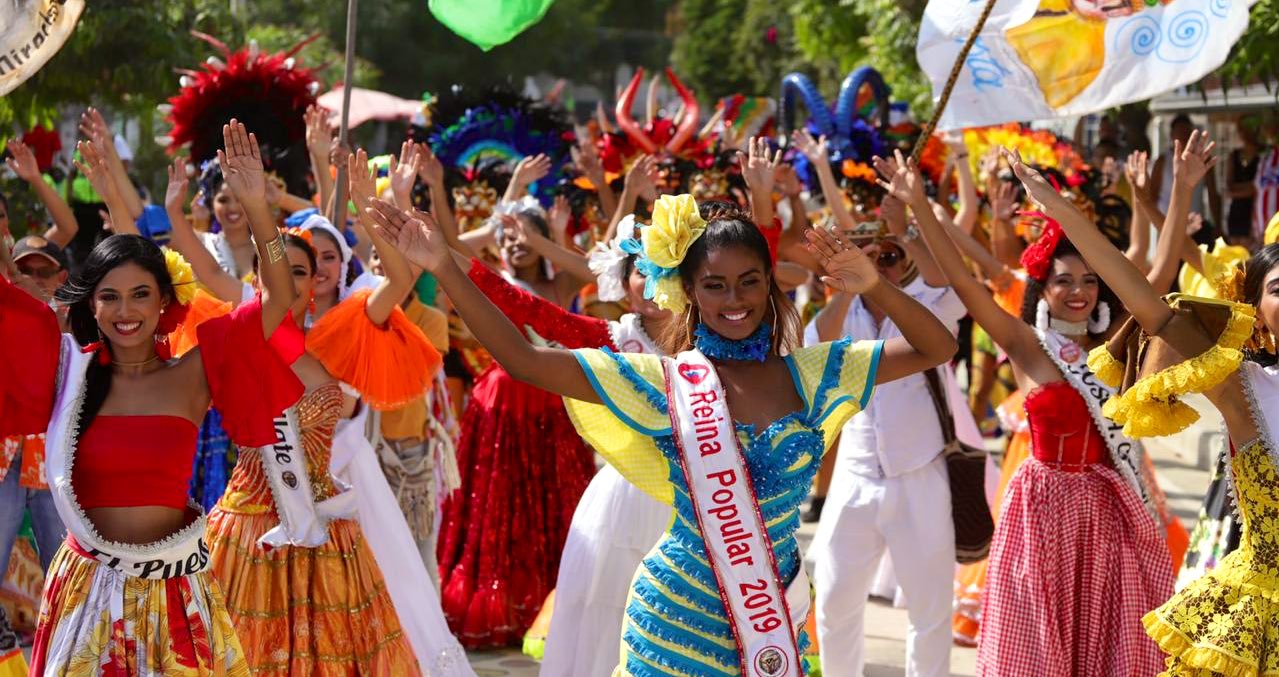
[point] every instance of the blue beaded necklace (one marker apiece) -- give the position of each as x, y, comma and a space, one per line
754, 347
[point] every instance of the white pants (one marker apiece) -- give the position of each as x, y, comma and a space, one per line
910, 515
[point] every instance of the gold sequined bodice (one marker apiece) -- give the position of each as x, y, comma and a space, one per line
318, 412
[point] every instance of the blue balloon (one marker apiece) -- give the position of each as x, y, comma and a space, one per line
846, 105
798, 84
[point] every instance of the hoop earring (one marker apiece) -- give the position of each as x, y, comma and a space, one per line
1041, 315
772, 302
1102, 323
690, 324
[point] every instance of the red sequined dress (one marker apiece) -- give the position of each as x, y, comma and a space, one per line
523, 468
1076, 560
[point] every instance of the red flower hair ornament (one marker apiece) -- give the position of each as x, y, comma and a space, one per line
1037, 258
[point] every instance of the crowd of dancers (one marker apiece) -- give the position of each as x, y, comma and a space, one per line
263, 433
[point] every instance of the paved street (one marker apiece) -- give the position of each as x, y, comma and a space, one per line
1183, 463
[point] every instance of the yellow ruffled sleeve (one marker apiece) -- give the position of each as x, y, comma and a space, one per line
634, 412
1151, 405
836, 380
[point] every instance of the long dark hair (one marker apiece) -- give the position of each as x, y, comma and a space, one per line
1255, 272
76, 294
1035, 291
728, 226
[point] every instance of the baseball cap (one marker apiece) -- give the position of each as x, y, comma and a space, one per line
34, 245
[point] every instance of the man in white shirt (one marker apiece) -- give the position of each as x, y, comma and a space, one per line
890, 489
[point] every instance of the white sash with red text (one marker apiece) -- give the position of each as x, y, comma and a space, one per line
737, 544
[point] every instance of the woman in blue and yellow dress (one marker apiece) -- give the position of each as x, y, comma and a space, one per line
711, 266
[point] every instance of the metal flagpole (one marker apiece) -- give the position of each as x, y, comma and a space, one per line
338, 217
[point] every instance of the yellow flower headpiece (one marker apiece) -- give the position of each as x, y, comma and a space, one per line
182, 276
676, 226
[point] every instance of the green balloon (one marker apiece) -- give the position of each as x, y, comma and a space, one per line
489, 23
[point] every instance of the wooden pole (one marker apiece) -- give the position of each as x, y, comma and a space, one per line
950, 81
338, 216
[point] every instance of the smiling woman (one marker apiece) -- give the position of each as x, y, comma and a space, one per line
727, 433
121, 417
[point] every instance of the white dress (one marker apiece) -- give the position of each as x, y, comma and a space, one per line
614, 526
355, 463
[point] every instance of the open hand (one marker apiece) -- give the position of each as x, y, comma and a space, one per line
816, 150
1193, 162
415, 234
319, 134
241, 162
902, 179
94, 168
641, 178
893, 212
787, 181
558, 217
23, 163
430, 168
94, 128
1037, 187
588, 161
848, 269
1003, 201
363, 180
175, 195
759, 165
403, 172
530, 169
1138, 173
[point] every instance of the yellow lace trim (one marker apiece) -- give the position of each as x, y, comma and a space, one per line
1105, 367
1174, 643
1151, 408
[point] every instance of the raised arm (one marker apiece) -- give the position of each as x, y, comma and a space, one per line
319, 146
571, 263
925, 342
422, 243
818, 156
905, 183
893, 211
23, 163
830, 319
1164, 269
1004, 241
527, 172
759, 167
241, 163
95, 168
183, 238
403, 174
397, 284
588, 160
1134, 291
641, 180
93, 126
969, 205
1189, 167
991, 267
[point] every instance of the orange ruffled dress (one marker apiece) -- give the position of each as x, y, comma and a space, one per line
325, 610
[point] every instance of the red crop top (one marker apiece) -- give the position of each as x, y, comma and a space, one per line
131, 461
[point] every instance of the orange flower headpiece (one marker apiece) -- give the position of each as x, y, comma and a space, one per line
304, 235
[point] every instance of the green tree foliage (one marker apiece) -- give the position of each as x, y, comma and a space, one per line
733, 46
